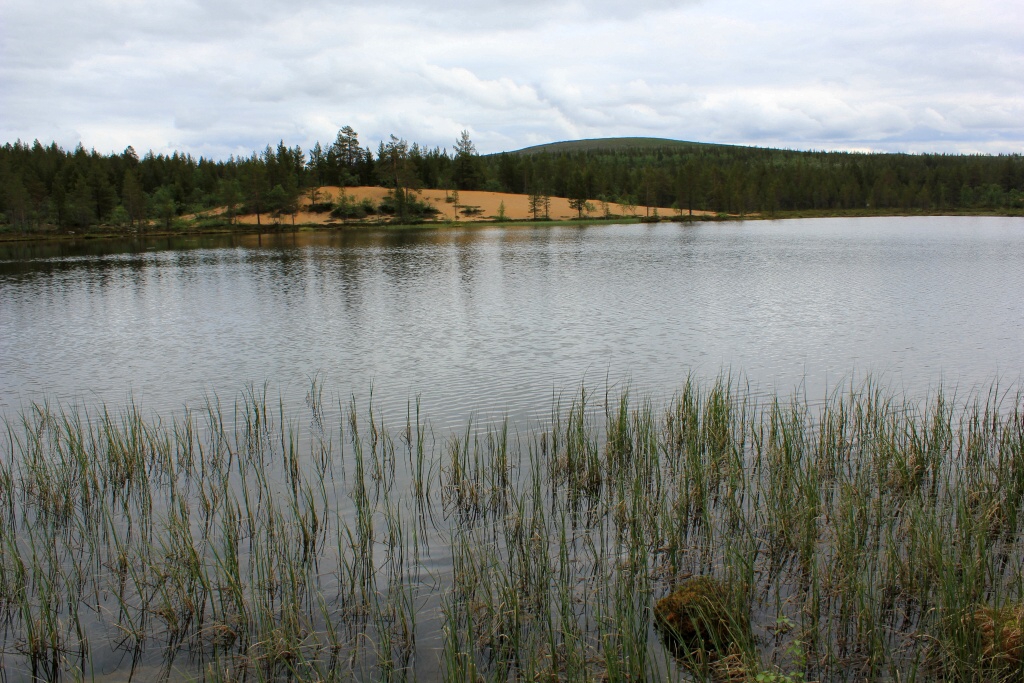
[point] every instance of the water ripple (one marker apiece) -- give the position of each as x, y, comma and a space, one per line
492, 321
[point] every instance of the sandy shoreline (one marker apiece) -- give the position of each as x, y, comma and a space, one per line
473, 206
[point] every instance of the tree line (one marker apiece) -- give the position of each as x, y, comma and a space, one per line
740, 180
45, 185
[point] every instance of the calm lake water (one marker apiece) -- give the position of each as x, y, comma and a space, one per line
492, 320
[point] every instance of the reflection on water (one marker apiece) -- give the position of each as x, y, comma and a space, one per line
489, 320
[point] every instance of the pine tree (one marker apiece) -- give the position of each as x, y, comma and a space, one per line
465, 166
132, 197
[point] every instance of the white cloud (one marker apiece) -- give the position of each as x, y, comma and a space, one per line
493, 94
226, 77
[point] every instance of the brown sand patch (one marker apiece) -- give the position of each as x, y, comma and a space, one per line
474, 206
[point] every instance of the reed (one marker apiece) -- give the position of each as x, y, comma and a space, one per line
867, 536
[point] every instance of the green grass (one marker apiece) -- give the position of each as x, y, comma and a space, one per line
868, 537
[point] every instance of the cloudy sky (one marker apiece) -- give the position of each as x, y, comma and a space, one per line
220, 77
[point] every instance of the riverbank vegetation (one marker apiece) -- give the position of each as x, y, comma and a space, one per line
728, 535
46, 188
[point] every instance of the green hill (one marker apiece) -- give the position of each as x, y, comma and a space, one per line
612, 145
738, 179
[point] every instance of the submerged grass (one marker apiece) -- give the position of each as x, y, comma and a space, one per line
867, 537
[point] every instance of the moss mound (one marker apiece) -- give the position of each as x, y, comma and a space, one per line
697, 618
1002, 635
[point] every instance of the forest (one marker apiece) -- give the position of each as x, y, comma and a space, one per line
47, 187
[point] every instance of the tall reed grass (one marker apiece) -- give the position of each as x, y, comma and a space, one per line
866, 537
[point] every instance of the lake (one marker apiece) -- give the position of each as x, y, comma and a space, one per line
243, 521
487, 321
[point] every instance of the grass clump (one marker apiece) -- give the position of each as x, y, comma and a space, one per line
701, 624
1001, 632
697, 615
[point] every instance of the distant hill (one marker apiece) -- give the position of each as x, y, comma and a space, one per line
738, 179
613, 144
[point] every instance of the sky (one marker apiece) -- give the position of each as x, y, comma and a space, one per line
220, 77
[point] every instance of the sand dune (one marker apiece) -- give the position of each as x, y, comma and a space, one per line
474, 206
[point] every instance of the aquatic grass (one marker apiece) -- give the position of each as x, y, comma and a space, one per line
868, 536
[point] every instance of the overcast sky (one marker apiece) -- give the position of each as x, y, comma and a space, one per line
220, 77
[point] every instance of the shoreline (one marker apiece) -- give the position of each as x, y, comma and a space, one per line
184, 228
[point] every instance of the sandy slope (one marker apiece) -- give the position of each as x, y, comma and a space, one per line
517, 206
